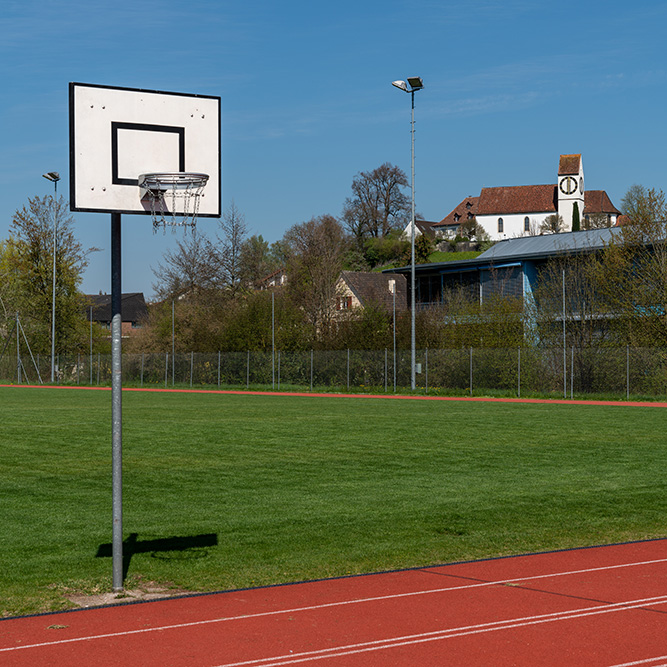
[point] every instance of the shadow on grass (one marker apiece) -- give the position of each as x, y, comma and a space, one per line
164, 548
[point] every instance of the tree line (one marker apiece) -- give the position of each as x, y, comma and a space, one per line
214, 284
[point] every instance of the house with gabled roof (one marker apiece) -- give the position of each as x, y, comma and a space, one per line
133, 311
360, 289
512, 211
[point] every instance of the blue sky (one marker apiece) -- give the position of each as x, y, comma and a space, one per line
307, 99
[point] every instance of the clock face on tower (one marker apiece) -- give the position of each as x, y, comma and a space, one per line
568, 185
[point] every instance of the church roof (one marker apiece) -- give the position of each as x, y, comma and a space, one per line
597, 201
466, 210
569, 164
518, 199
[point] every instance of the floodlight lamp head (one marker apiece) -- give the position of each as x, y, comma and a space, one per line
400, 84
416, 82
52, 176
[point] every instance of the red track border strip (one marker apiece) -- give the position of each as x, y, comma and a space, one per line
240, 392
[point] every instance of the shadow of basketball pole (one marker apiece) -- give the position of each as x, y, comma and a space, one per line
132, 545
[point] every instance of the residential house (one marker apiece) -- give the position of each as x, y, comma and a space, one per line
133, 309
358, 289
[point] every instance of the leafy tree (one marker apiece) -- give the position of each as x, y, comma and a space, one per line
576, 222
423, 249
378, 203
315, 251
257, 261
26, 275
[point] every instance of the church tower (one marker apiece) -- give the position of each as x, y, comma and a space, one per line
570, 188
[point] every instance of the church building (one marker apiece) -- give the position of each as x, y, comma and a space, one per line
514, 211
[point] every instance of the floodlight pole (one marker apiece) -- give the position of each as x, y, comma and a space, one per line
416, 84
54, 177
116, 406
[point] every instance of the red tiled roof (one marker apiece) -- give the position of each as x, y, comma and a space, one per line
467, 206
518, 199
569, 164
597, 201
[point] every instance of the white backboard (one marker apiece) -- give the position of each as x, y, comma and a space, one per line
116, 134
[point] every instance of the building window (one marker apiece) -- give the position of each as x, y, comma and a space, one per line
526, 224
343, 303
501, 226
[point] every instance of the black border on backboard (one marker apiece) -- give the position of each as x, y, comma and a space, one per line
142, 127
72, 146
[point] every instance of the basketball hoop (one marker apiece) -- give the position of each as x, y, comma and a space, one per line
174, 197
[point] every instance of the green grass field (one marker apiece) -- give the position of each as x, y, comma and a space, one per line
298, 488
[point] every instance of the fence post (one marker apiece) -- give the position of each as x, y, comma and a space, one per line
78, 365
98, 369
218, 369
142, 369
627, 372
247, 372
426, 371
386, 369
278, 370
311, 370
192, 367
471, 371
518, 389
166, 369
348, 368
572, 374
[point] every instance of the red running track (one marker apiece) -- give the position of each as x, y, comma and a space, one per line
602, 606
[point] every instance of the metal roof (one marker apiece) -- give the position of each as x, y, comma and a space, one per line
528, 247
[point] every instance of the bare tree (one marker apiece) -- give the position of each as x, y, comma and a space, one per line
189, 270
553, 224
234, 231
633, 270
378, 203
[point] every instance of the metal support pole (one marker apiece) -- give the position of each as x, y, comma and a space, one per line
53, 297
413, 298
564, 346
273, 340
91, 346
18, 351
116, 405
173, 344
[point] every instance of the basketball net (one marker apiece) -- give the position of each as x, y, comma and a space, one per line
174, 198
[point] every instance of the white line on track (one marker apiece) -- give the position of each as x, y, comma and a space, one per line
651, 662
422, 638
341, 603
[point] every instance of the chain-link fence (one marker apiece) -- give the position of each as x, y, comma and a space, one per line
520, 371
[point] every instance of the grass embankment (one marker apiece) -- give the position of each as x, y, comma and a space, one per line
297, 488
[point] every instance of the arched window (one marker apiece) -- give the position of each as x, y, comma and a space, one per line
526, 224
501, 226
